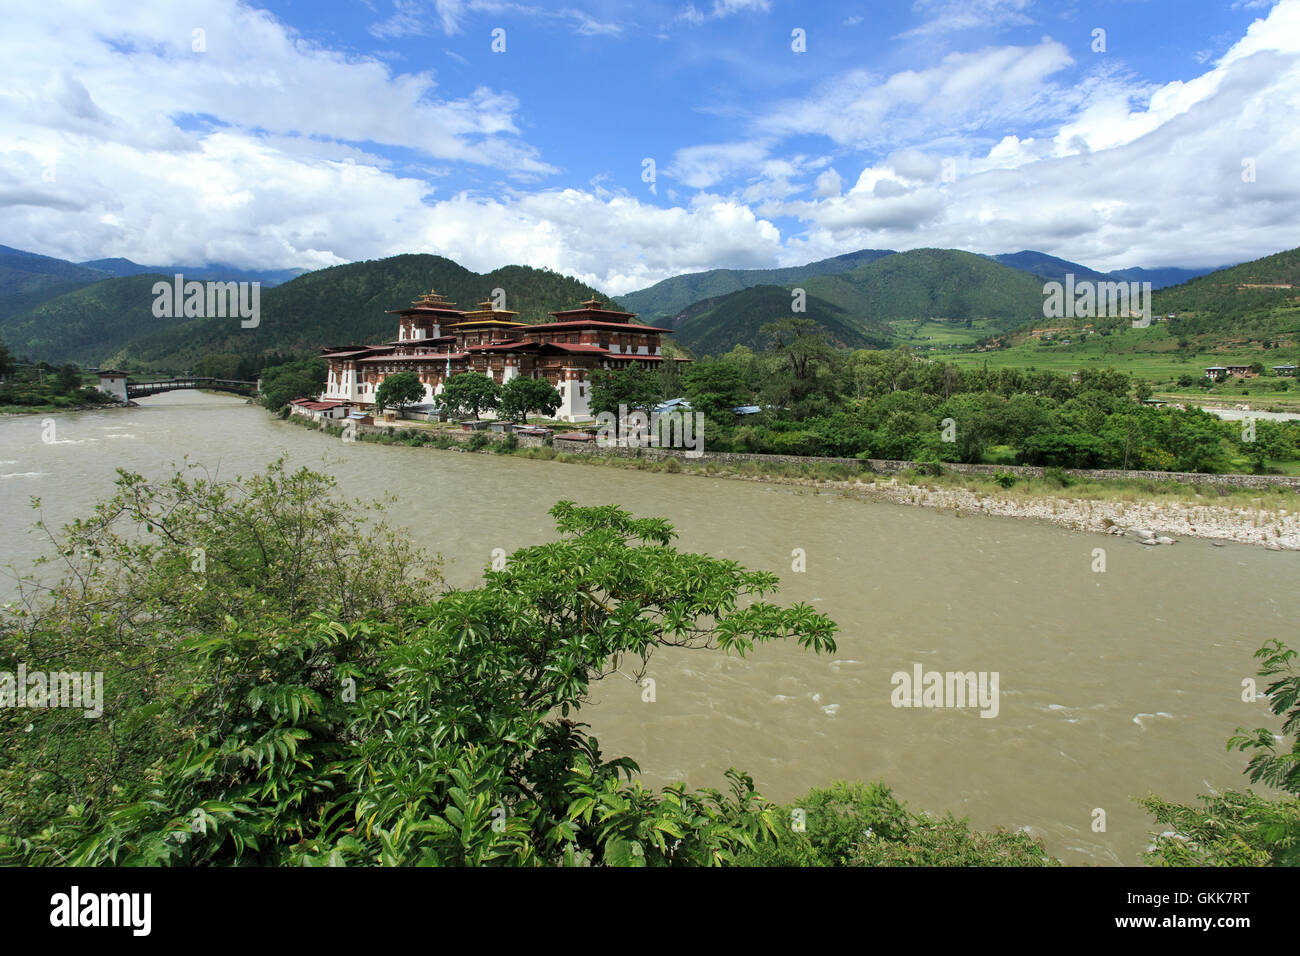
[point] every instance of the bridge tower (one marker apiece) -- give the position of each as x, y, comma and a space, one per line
112, 382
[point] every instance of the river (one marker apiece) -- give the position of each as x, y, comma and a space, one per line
1113, 685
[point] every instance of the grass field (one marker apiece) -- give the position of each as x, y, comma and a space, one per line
1150, 354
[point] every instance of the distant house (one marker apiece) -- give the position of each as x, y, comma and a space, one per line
1216, 373
1242, 371
1285, 370
318, 410
673, 404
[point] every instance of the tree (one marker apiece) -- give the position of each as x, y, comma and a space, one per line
69, 379
6, 361
519, 396
715, 388
468, 392
636, 388
281, 384
398, 391
1142, 390
438, 732
800, 343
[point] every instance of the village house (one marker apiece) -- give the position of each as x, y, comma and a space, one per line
1287, 371
318, 410
435, 340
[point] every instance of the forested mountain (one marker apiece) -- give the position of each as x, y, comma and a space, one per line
717, 325
1159, 278
219, 271
28, 279
90, 325
855, 307
669, 297
1259, 298
1049, 268
112, 322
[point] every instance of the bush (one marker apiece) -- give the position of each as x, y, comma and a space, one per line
1056, 477
477, 441
857, 824
1005, 478
506, 445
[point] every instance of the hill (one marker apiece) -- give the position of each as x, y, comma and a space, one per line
218, 271
1160, 278
1049, 268
669, 297
112, 323
877, 303
88, 324
947, 284
27, 279
719, 324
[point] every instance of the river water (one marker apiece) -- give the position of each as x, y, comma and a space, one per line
1112, 685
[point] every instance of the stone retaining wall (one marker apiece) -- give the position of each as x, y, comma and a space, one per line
880, 466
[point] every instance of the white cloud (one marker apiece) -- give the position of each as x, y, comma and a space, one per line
1117, 186
951, 16
988, 88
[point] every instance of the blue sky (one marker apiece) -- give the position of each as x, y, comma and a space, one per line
304, 134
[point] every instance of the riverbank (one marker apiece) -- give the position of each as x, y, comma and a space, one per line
1144, 509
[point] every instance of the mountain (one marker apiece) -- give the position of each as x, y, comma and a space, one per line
87, 324
1050, 268
112, 322
669, 297
27, 279
719, 324
945, 284
1160, 278
1253, 299
215, 271
856, 307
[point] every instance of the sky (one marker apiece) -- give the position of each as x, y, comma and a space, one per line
624, 143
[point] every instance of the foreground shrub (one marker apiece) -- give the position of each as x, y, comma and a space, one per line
856, 824
255, 720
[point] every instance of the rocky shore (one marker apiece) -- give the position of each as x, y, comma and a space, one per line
1147, 522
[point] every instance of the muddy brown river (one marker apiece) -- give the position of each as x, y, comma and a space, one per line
1111, 685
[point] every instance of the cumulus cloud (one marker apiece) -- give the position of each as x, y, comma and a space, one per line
1116, 186
265, 149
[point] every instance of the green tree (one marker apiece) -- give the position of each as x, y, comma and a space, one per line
635, 387
398, 391
471, 392
6, 362
519, 396
303, 378
440, 732
69, 379
715, 388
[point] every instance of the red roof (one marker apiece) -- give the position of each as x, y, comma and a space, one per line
597, 324
314, 406
579, 348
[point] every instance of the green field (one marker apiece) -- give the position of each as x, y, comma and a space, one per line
920, 333
1150, 354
